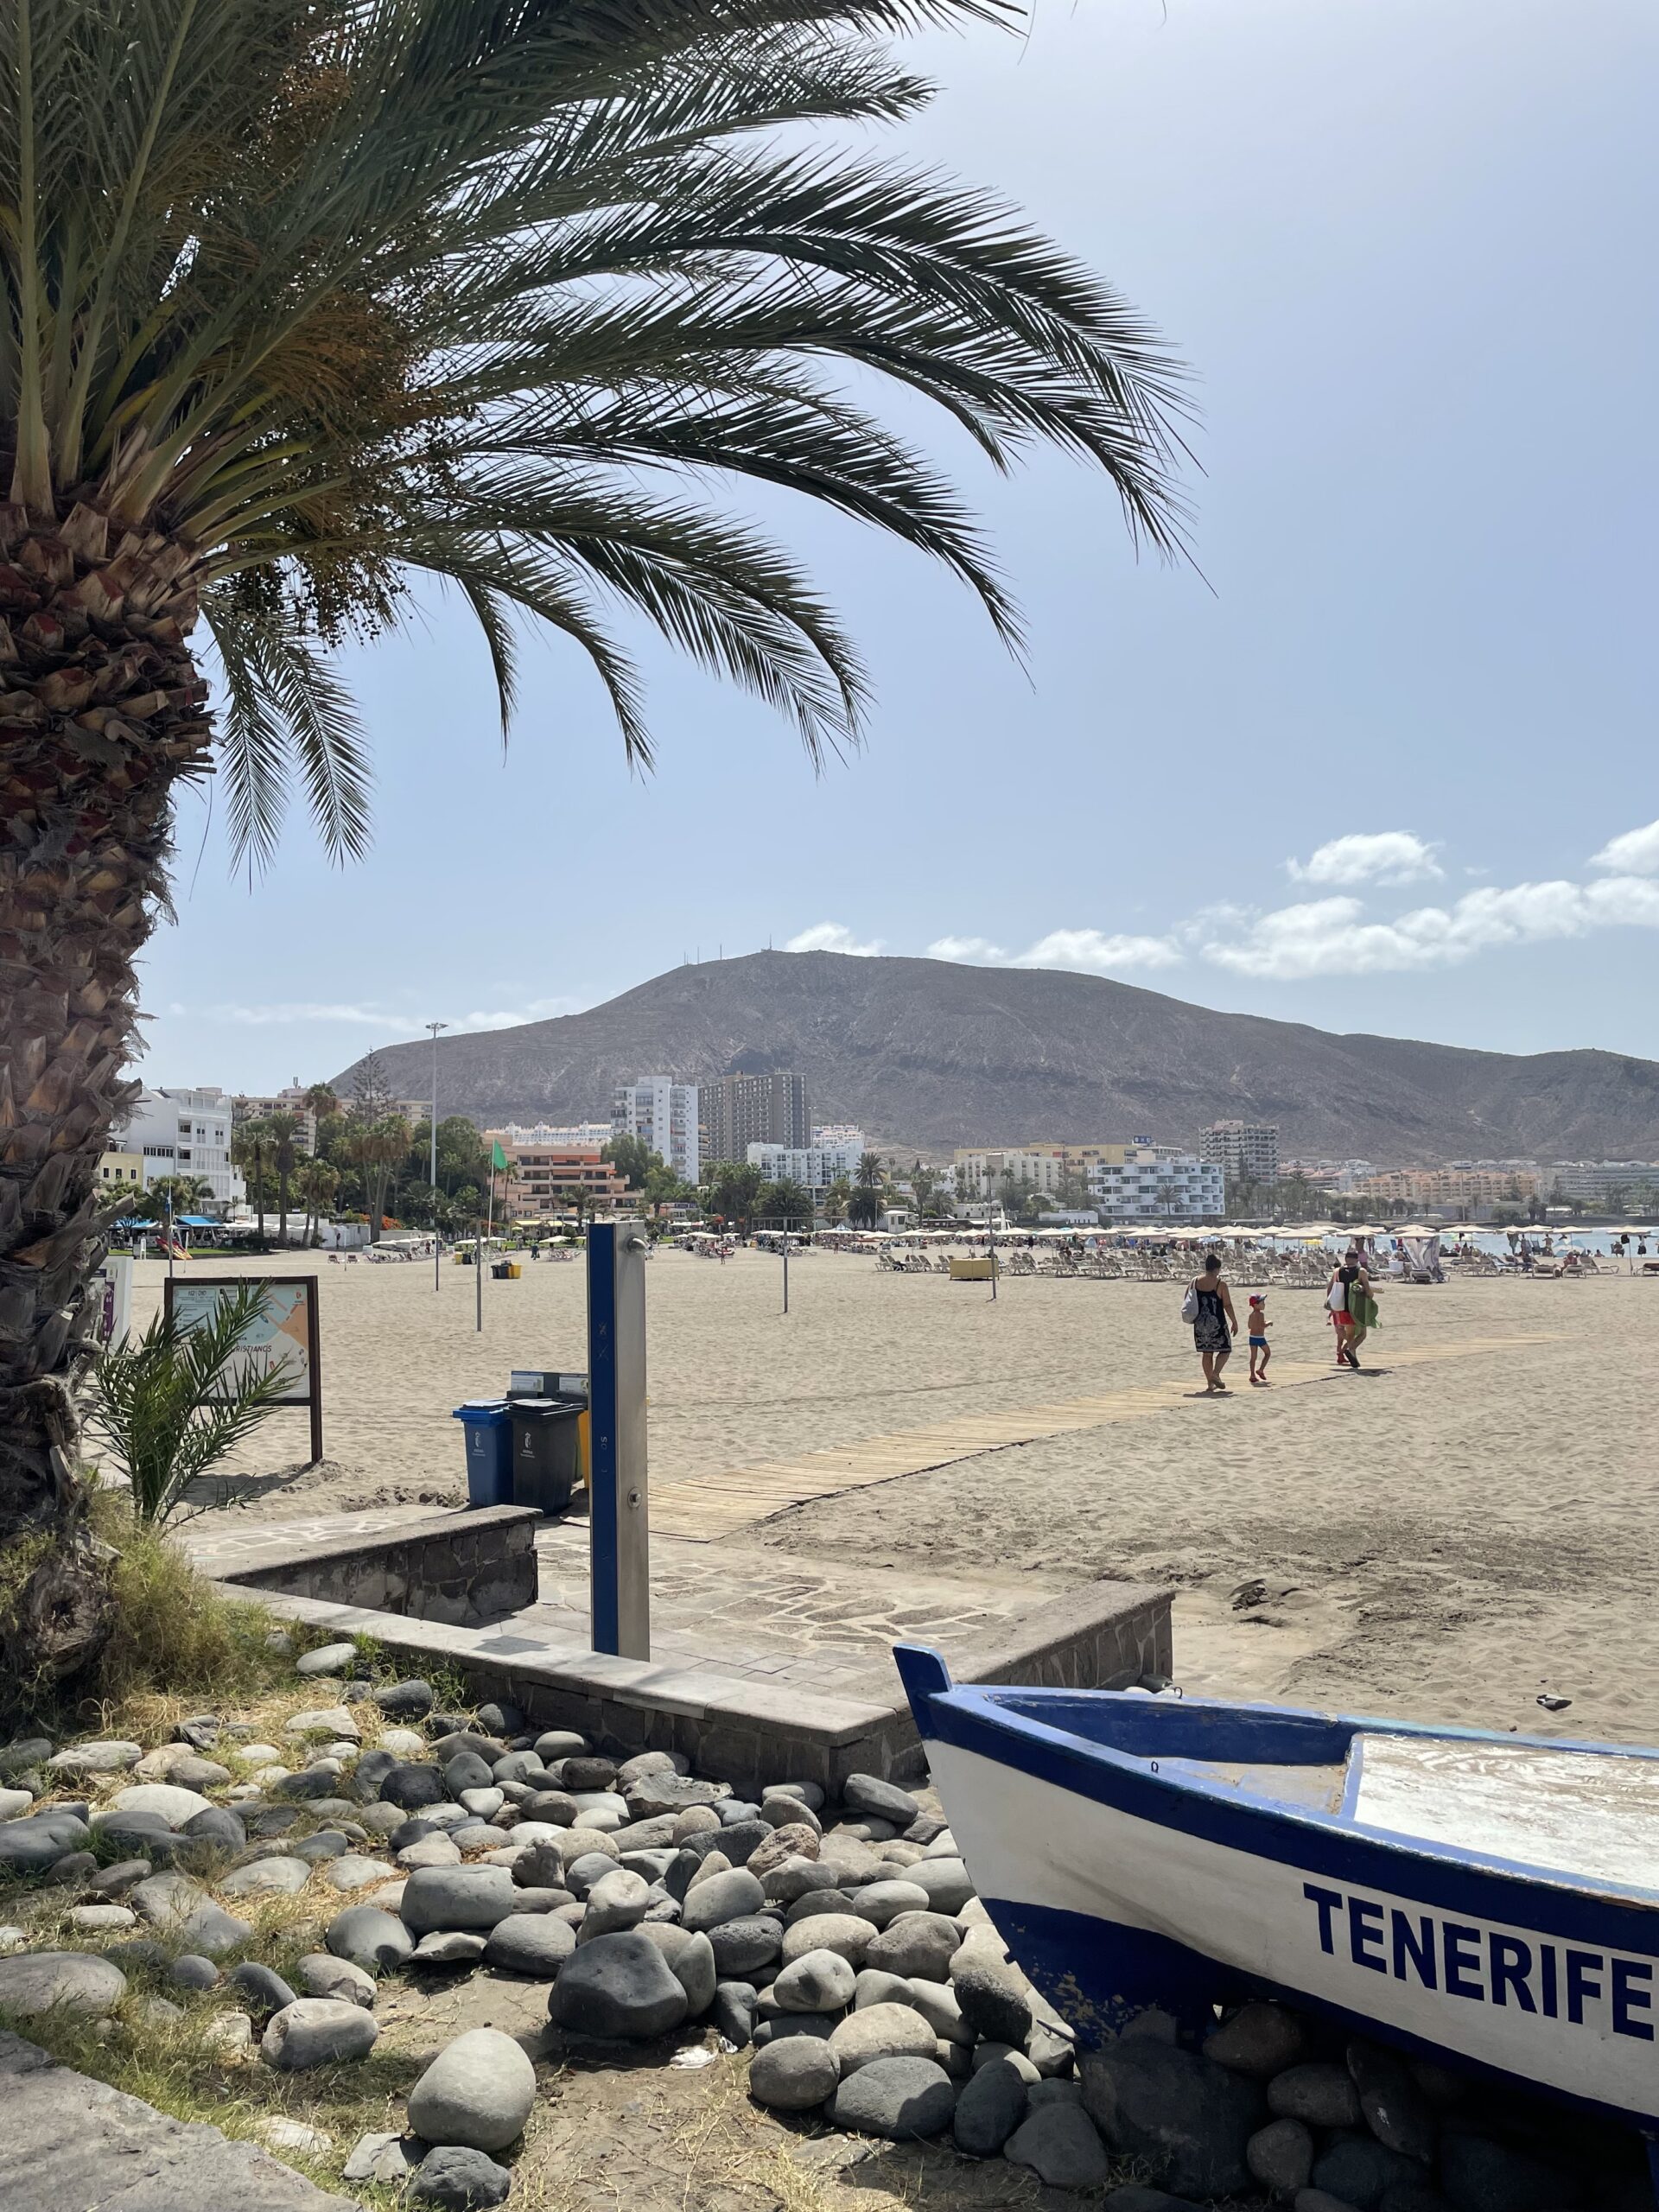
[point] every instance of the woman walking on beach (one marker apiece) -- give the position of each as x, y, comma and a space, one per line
1209, 1307
1347, 1298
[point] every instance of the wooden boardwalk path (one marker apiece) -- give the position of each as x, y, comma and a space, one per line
701, 1509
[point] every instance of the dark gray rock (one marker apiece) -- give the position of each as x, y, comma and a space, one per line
456, 1897
1321, 2200
1260, 2040
115, 1881
587, 1770
1357, 2169
793, 2074
691, 1961
522, 1766
993, 2001
1280, 2156
1060, 2145
31, 1845
410, 1786
191, 1971
26, 1752
265, 1990
1134, 2196
459, 2180
1188, 2118
410, 1700
900, 2098
879, 1800
370, 1773
734, 2011
741, 1839
326, 1843
1481, 2176
534, 1943
410, 1830
619, 1987
919, 1945
559, 1744
833, 1899
440, 1724
1319, 2094
742, 1947
309, 1782
369, 1938
1418, 2196
468, 1772
557, 1806
990, 2106
323, 1975
1395, 2109
501, 1717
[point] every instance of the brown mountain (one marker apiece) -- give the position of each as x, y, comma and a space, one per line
930, 1054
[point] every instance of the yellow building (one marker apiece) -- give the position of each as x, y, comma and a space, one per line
119, 1171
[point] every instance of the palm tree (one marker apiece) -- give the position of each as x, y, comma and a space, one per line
308, 300
283, 1132
249, 1151
376, 1148
317, 1180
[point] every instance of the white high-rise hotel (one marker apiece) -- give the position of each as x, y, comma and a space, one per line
664, 1115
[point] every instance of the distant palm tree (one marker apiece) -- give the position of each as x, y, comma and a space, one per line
251, 1152
305, 302
317, 1180
282, 1130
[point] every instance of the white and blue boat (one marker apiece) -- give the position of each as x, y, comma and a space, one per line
1488, 1900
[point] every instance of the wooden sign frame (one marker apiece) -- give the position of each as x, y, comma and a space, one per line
313, 1398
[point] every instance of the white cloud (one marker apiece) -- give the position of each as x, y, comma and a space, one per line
832, 936
287, 1012
1380, 856
511, 1017
1636, 853
1097, 953
1329, 937
977, 950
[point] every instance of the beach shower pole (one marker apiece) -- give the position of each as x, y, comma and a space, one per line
786, 1263
619, 1495
990, 1226
478, 1255
437, 1241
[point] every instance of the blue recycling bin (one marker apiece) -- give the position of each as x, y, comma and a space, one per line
487, 1424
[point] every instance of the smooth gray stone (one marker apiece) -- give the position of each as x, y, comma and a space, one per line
1319, 2094
742, 1947
326, 1843
369, 1938
617, 1901
217, 1829
176, 1906
23, 1752
1281, 2155
691, 1959
881, 2031
31, 1845
1260, 2040
937, 2003
795, 1879
919, 1945
874, 1985
793, 2075
734, 2011
521, 1766
468, 1772
1357, 2169
901, 2098
32, 1982
821, 2024
993, 2000
882, 1902
477, 2091
709, 1903
501, 1717
456, 1897
1479, 2175
324, 1976
1060, 2145
73, 1869
317, 2031
264, 1989
819, 1900
534, 1943
947, 1881
1394, 2108
279, 1877
458, 2179
655, 1794
1189, 2118
115, 1881
820, 1981
618, 1987
559, 1744
191, 1971
587, 1867
385, 2157
990, 2105
448, 1947
582, 1772
327, 1659
109, 1756
878, 1800
409, 1700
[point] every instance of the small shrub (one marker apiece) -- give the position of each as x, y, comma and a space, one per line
173, 1633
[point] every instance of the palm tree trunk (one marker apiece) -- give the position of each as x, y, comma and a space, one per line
100, 715
282, 1202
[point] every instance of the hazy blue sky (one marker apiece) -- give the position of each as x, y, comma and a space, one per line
1407, 247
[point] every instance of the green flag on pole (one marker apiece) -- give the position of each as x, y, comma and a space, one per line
497, 1157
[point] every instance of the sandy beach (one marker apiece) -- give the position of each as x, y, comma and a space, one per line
1466, 1525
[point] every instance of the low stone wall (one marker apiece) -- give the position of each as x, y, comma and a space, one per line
1107, 1635
464, 1569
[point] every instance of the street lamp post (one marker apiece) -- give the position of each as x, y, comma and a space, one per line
437, 1241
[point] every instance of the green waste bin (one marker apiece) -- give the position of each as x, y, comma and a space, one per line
544, 1451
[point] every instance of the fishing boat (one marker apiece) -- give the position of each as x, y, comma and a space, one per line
1489, 1900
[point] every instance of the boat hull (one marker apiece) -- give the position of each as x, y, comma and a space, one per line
1114, 1899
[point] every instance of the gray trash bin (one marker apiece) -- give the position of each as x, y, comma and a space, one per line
545, 1462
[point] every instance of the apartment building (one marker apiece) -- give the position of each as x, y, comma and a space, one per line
1442, 1190
662, 1114
247, 1106
585, 1135
739, 1110
543, 1180
119, 1171
176, 1132
1594, 1182
815, 1167
1157, 1183
1244, 1151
